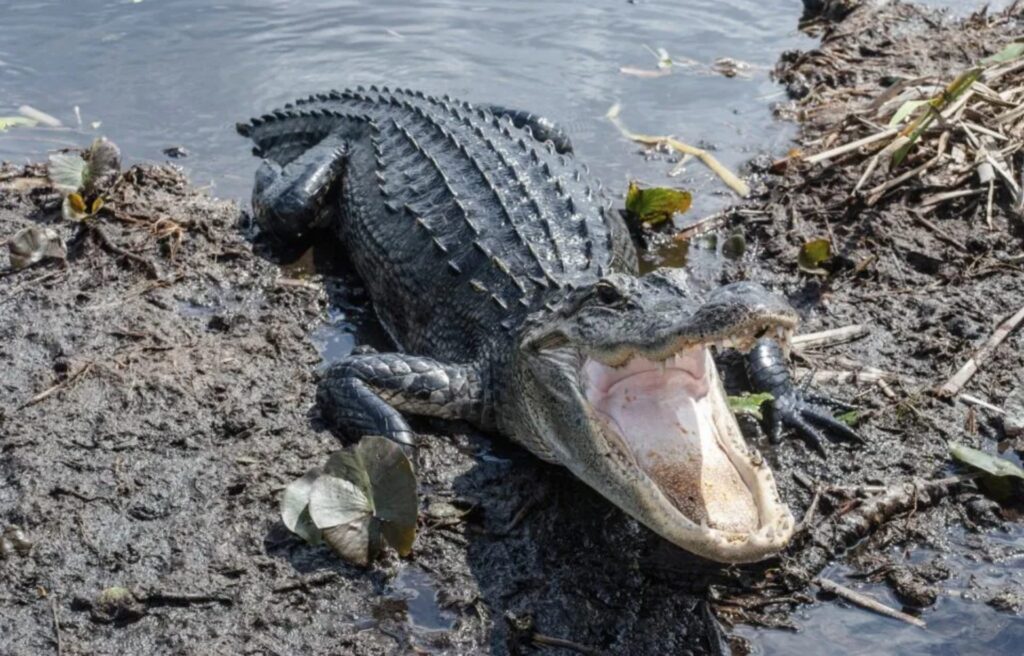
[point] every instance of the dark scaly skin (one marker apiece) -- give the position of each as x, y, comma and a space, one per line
462, 223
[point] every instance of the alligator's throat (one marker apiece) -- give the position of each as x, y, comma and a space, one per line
673, 417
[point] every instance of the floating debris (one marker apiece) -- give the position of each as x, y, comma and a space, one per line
176, 152
729, 67
727, 176
33, 244
7, 122
965, 133
655, 205
363, 497
39, 116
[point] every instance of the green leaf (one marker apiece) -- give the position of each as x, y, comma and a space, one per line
656, 204
936, 104
12, 121
905, 110
986, 462
749, 404
813, 254
850, 418
664, 61
1010, 52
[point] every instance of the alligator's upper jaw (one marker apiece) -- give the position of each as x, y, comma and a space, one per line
705, 490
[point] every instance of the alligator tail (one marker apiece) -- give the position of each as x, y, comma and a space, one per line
286, 133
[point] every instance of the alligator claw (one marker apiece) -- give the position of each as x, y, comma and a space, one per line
795, 407
807, 414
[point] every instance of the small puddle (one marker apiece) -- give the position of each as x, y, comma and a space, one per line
416, 588
335, 338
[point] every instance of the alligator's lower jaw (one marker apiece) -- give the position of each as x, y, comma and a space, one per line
710, 493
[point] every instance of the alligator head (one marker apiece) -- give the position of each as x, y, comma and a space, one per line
616, 382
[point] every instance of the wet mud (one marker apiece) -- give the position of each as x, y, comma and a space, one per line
152, 408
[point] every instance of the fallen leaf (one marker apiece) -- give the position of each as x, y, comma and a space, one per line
363, 497
904, 111
813, 254
656, 204
33, 244
1010, 52
295, 510
12, 121
986, 462
749, 404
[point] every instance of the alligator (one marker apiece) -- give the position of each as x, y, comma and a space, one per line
510, 287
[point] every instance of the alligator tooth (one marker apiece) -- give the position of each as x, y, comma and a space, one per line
780, 333
704, 523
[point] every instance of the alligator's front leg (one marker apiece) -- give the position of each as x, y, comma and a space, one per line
791, 406
364, 394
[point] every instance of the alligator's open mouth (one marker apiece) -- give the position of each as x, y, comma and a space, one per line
667, 409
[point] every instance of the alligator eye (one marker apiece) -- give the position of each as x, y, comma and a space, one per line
607, 293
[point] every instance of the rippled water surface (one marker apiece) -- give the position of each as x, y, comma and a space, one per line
160, 74
155, 74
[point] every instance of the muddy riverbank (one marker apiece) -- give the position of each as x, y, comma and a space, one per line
153, 407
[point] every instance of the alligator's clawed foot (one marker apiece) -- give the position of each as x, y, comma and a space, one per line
809, 414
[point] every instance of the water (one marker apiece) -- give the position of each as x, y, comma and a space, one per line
959, 624
158, 74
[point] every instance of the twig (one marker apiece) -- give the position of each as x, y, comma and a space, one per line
701, 226
53, 389
727, 176
809, 515
550, 641
867, 602
973, 400
867, 376
940, 234
104, 239
884, 386
853, 145
875, 194
829, 337
29, 283
960, 378
948, 195
56, 626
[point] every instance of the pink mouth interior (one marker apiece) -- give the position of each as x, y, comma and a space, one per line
666, 418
